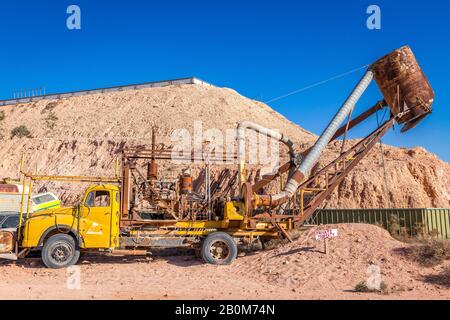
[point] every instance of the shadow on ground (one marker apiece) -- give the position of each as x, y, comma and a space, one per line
178, 256
298, 250
441, 279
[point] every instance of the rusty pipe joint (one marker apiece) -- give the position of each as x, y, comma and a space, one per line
267, 200
274, 200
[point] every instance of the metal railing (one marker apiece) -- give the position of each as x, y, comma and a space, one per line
192, 80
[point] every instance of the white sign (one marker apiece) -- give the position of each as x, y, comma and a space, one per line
324, 234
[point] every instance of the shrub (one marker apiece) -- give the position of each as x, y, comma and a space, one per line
49, 107
394, 226
2, 115
50, 120
20, 132
362, 287
419, 229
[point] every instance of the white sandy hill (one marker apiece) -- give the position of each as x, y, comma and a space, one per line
84, 135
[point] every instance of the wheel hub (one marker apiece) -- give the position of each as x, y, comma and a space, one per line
219, 250
61, 253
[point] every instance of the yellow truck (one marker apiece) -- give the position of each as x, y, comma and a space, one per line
139, 210
61, 233
95, 226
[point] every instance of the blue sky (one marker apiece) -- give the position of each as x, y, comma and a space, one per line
263, 49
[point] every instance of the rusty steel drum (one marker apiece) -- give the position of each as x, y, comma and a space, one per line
186, 184
404, 86
152, 170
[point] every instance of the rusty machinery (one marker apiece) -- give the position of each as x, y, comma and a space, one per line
148, 199
160, 211
408, 95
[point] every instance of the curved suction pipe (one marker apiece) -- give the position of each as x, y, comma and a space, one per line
311, 158
242, 126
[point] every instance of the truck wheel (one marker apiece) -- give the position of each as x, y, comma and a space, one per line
60, 251
219, 248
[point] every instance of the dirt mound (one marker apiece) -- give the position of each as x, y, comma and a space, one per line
303, 266
83, 136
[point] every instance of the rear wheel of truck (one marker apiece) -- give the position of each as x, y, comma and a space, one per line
60, 251
219, 248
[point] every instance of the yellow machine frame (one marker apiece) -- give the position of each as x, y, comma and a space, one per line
234, 223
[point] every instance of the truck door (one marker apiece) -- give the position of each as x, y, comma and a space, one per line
95, 223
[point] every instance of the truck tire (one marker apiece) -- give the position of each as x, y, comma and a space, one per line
219, 248
60, 251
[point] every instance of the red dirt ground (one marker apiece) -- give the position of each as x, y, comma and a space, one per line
299, 270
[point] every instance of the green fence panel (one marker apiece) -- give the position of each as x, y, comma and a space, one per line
411, 221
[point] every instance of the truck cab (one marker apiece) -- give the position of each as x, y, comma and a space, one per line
62, 232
